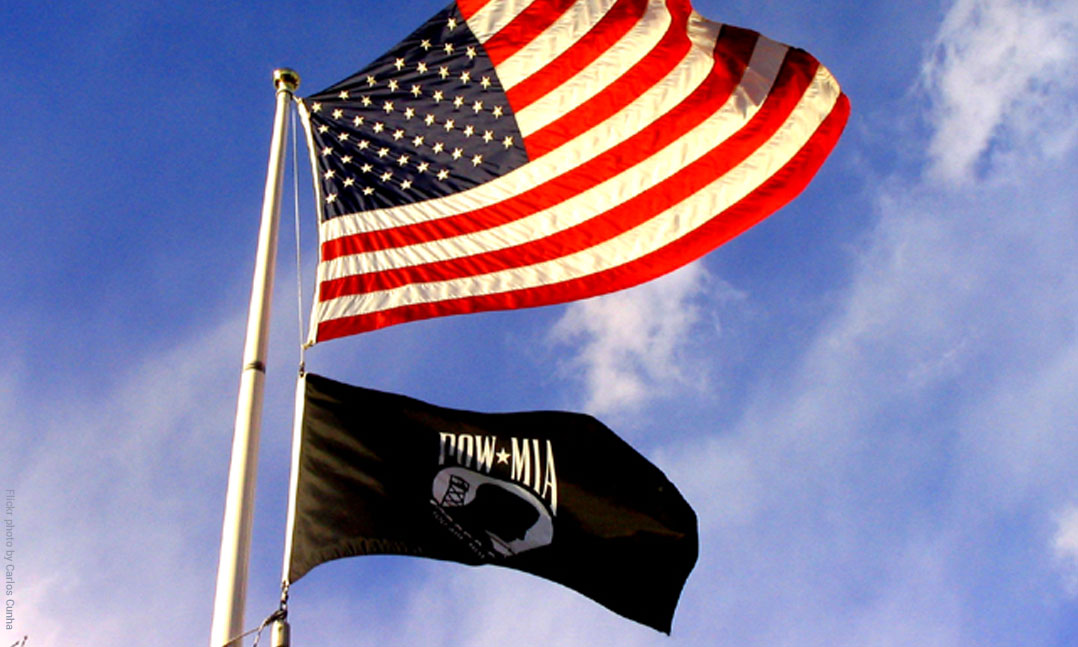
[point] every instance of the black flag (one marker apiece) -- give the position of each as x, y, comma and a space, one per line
554, 494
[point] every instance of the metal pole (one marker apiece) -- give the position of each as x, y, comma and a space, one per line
281, 635
231, 595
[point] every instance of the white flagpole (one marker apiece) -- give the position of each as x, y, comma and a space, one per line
231, 595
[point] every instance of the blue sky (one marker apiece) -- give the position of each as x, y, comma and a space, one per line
868, 398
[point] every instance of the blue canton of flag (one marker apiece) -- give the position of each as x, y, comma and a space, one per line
426, 120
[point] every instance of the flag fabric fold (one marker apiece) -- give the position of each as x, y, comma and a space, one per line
554, 494
515, 153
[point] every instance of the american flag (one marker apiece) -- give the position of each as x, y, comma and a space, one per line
516, 153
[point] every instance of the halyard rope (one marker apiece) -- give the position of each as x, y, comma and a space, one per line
299, 262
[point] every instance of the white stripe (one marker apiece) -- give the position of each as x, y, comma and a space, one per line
637, 43
658, 232
495, 16
658, 100
555, 39
605, 195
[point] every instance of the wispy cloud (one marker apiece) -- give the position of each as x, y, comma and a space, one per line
1065, 545
997, 80
119, 501
105, 508
630, 347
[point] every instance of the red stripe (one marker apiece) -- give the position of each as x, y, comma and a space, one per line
670, 51
794, 78
731, 56
601, 37
469, 8
773, 194
524, 28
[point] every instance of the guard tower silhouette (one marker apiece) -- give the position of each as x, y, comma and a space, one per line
455, 493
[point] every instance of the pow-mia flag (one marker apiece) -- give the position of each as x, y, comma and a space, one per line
554, 494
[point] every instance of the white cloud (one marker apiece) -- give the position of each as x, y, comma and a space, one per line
879, 481
631, 345
109, 502
121, 491
450, 605
1065, 546
998, 79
